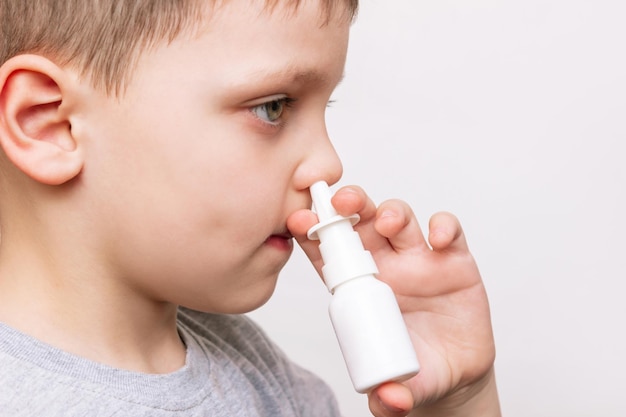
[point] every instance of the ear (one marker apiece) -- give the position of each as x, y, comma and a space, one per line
35, 129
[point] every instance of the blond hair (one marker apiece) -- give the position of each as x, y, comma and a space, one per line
101, 38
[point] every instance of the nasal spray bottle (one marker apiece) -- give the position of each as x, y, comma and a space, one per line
364, 312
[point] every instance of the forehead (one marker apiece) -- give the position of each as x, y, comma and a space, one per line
286, 22
245, 46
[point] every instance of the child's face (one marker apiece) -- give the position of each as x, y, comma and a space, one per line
193, 176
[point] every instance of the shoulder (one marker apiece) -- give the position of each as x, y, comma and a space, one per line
265, 365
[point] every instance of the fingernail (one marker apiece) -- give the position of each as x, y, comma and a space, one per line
388, 213
348, 190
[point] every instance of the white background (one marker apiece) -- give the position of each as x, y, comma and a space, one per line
512, 115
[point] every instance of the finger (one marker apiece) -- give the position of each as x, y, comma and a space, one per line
391, 400
397, 222
298, 224
446, 233
352, 199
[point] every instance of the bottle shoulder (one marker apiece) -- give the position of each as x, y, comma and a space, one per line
363, 286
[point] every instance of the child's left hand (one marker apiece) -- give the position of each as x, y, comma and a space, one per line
442, 298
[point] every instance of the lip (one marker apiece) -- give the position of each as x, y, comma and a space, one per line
282, 241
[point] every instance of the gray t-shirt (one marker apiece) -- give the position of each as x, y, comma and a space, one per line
232, 369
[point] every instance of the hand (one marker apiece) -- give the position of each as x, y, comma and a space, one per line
442, 298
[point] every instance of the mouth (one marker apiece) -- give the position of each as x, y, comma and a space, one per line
282, 241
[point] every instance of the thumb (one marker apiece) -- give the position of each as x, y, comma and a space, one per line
391, 400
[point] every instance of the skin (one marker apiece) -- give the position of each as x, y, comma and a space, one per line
191, 185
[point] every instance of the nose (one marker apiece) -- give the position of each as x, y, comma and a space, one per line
320, 162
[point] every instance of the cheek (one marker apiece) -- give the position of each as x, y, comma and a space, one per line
215, 272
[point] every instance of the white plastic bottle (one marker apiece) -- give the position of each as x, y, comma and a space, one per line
366, 318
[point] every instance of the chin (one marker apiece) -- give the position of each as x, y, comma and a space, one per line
247, 304
247, 299
253, 305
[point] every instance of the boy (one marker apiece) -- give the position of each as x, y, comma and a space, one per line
156, 158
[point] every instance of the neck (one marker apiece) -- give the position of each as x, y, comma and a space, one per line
64, 302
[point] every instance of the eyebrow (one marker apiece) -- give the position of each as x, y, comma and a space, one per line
292, 75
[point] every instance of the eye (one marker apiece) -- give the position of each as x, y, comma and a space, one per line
271, 111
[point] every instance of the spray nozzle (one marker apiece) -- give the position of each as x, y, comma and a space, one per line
326, 213
340, 245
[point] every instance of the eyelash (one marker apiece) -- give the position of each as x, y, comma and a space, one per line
287, 102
